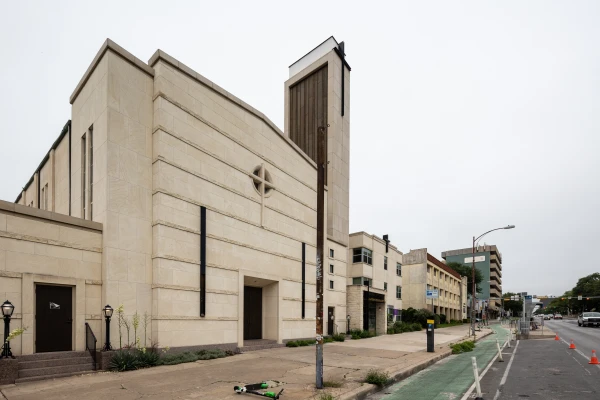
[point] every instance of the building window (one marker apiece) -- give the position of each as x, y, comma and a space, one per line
331, 268
362, 255
399, 292
331, 285
428, 269
398, 269
357, 281
434, 272
384, 262
331, 253
384, 285
45, 197
362, 281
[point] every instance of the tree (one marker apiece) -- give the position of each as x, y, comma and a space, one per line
465, 270
514, 306
588, 286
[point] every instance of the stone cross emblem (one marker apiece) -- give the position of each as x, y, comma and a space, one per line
263, 183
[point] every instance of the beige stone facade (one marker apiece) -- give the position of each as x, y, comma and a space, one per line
147, 147
376, 275
42, 248
424, 272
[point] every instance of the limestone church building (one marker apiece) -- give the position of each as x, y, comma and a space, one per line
167, 194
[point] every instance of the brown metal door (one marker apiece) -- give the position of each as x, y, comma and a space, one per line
53, 318
252, 313
330, 320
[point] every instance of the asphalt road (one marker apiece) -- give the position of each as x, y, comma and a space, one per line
585, 339
547, 369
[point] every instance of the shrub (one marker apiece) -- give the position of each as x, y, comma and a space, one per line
416, 327
390, 331
339, 337
356, 336
123, 360
365, 334
442, 318
462, 347
376, 377
174, 359
292, 343
148, 357
327, 339
210, 354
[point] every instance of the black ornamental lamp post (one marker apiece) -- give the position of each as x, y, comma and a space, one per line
348, 329
7, 311
108, 312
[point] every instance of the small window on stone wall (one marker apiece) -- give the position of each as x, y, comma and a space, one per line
262, 177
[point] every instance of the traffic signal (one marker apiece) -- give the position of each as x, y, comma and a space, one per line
562, 298
587, 298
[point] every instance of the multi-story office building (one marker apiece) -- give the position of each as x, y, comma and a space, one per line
374, 282
488, 260
423, 272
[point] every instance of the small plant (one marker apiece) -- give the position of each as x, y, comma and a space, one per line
147, 319
292, 343
356, 336
339, 337
120, 320
148, 357
327, 339
124, 360
15, 333
462, 347
326, 396
376, 377
135, 322
332, 384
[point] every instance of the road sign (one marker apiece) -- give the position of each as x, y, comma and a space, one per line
528, 298
580, 297
431, 294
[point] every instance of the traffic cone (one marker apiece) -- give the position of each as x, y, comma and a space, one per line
556, 337
572, 345
594, 359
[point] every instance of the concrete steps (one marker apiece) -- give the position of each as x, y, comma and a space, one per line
54, 365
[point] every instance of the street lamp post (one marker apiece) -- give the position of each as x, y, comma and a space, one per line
475, 240
108, 312
7, 311
348, 325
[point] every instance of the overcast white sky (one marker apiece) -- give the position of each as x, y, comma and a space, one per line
465, 116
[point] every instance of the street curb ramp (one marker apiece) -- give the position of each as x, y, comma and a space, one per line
367, 389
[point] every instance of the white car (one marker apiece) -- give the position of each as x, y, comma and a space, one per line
589, 319
557, 316
547, 316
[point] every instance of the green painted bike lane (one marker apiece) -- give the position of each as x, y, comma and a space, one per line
451, 377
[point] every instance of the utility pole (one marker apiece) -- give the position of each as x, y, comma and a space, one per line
321, 164
473, 314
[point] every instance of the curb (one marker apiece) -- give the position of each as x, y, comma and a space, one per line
367, 389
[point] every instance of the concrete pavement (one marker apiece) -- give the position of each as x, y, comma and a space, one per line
289, 368
450, 378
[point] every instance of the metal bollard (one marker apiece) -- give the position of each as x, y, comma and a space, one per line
476, 373
499, 351
508, 342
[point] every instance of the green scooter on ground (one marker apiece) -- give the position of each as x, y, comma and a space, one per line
254, 388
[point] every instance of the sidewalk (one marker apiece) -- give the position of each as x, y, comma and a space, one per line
452, 377
290, 368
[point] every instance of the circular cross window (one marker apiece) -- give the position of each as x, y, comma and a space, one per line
262, 177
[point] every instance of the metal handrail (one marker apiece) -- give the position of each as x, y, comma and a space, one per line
89, 339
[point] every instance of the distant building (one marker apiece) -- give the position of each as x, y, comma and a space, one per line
423, 272
374, 282
488, 260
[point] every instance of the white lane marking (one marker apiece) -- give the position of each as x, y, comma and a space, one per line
505, 376
577, 350
468, 393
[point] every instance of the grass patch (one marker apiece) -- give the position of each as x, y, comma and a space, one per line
376, 377
332, 384
448, 324
292, 343
462, 347
185, 357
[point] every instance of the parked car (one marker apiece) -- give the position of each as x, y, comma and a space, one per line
557, 316
547, 316
589, 319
